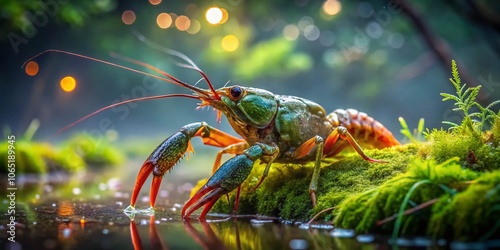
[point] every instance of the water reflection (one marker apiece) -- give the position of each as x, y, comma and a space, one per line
207, 240
230, 233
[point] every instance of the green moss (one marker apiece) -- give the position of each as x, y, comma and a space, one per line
363, 211
96, 152
28, 157
471, 214
41, 157
285, 193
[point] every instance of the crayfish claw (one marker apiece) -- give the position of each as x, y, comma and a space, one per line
227, 178
204, 196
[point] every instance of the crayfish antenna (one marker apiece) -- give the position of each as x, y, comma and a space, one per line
190, 64
121, 103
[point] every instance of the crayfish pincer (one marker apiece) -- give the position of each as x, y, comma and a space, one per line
227, 178
272, 128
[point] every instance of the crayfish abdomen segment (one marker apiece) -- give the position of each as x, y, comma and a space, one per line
365, 129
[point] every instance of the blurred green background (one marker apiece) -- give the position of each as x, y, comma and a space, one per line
373, 56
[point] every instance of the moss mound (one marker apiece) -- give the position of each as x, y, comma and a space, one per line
285, 193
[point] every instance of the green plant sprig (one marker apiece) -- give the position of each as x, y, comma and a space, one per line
465, 100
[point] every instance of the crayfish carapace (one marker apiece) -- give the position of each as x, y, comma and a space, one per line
273, 128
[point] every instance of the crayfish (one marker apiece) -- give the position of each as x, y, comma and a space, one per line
273, 129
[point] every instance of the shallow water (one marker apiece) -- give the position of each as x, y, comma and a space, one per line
85, 211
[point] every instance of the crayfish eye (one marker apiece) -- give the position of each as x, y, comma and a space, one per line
235, 92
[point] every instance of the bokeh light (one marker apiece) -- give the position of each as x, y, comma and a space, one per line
164, 20
291, 32
154, 2
215, 44
311, 32
327, 38
214, 15
230, 43
31, 68
332, 7
396, 40
192, 10
225, 16
68, 84
182, 23
194, 27
304, 22
128, 17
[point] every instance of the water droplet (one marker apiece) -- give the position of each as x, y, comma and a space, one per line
144, 222
467, 245
256, 221
365, 238
177, 205
422, 242
66, 232
322, 226
77, 191
404, 242
119, 203
105, 231
37, 196
342, 233
298, 244
164, 219
53, 204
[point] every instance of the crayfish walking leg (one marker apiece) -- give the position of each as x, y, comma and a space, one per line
228, 177
170, 151
323, 148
